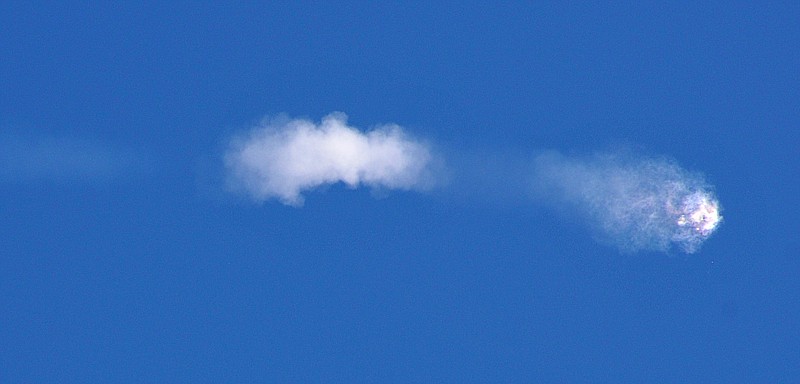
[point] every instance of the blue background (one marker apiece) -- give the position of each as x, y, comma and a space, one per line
153, 276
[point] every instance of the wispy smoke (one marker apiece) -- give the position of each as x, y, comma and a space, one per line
282, 158
633, 202
26, 159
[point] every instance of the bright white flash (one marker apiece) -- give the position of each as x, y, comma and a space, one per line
697, 218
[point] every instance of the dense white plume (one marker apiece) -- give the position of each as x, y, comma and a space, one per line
633, 202
281, 158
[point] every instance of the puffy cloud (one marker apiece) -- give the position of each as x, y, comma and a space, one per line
282, 158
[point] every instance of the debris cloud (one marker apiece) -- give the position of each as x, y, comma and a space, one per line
631, 201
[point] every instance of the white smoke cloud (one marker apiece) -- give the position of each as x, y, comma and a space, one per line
283, 158
633, 202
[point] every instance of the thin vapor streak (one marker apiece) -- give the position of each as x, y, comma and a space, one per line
30, 158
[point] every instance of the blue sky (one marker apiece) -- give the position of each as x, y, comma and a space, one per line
136, 246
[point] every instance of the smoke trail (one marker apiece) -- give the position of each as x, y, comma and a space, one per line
633, 202
26, 158
282, 158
